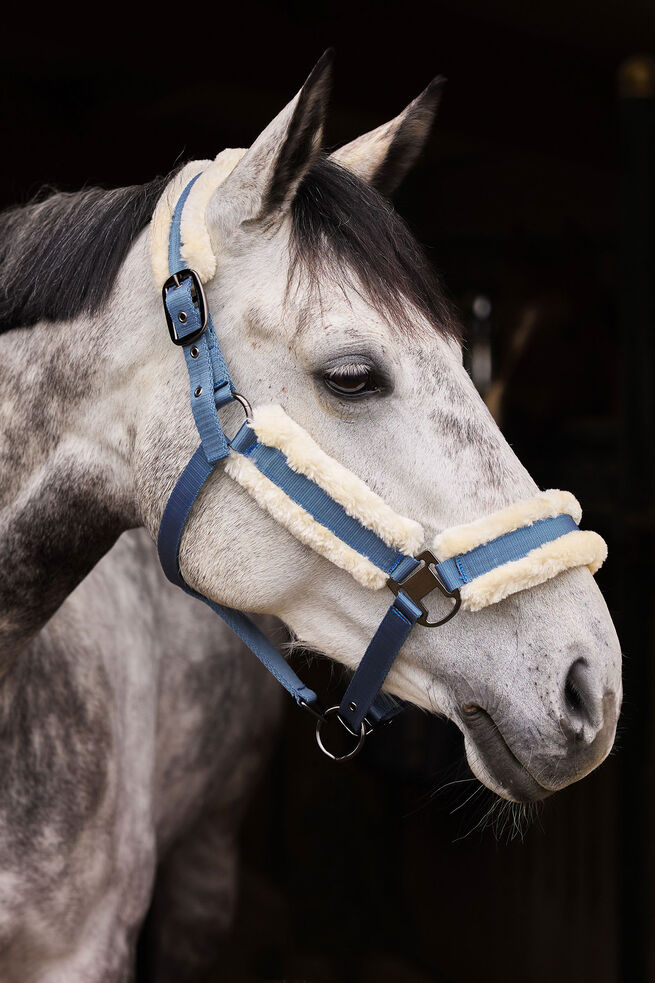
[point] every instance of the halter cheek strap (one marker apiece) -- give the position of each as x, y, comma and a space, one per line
334, 512
191, 327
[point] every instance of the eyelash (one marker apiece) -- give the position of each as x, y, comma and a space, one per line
352, 381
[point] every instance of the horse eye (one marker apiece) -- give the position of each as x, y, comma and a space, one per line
352, 380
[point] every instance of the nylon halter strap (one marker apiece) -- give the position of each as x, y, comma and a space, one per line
411, 579
210, 387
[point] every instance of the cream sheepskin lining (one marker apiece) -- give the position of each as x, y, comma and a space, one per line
545, 505
575, 549
301, 524
160, 227
275, 429
196, 247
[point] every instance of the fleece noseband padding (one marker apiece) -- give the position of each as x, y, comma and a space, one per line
301, 455
574, 549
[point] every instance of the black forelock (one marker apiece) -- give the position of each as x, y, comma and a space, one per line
345, 228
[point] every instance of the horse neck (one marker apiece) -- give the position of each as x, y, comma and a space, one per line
64, 480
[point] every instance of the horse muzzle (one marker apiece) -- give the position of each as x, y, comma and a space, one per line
526, 763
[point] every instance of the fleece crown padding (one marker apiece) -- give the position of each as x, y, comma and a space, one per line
196, 246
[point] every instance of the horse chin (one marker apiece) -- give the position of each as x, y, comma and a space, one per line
494, 764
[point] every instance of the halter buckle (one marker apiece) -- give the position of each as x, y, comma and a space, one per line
199, 301
420, 583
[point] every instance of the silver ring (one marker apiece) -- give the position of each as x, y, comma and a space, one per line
361, 737
247, 408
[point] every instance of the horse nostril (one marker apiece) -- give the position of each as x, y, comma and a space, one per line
470, 709
573, 696
581, 702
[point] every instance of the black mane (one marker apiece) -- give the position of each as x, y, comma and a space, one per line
345, 228
60, 255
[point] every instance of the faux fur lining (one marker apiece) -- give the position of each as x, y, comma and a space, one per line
196, 247
545, 505
275, 429
301, 524
160, 227
575, 549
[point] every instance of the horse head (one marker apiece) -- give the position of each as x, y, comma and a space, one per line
325, 305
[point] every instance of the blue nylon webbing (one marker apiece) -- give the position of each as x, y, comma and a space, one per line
207, 371
177, 511
179, 505
273, 464
210, 388
512, 546
173, 521
175, 263
210, 385
377, 660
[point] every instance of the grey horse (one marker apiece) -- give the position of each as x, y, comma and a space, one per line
132, 724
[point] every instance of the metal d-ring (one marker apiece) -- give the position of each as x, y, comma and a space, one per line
247, 408
361, 737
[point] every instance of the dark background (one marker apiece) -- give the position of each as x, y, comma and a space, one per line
536, 192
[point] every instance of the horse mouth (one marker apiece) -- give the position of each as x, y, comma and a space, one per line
492, 760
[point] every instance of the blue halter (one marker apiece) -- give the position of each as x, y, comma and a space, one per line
363, 706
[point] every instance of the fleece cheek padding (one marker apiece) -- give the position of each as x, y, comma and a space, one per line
275, 429
575, 549
301, 524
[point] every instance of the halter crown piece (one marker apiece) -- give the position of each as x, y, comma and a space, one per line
324, 505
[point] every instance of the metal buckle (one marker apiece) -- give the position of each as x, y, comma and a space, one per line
199, 301
364, 730
420, 583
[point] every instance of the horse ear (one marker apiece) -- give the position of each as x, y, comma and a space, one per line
265, 181
383, 156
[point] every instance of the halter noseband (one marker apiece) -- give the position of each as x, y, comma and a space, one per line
334, 512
